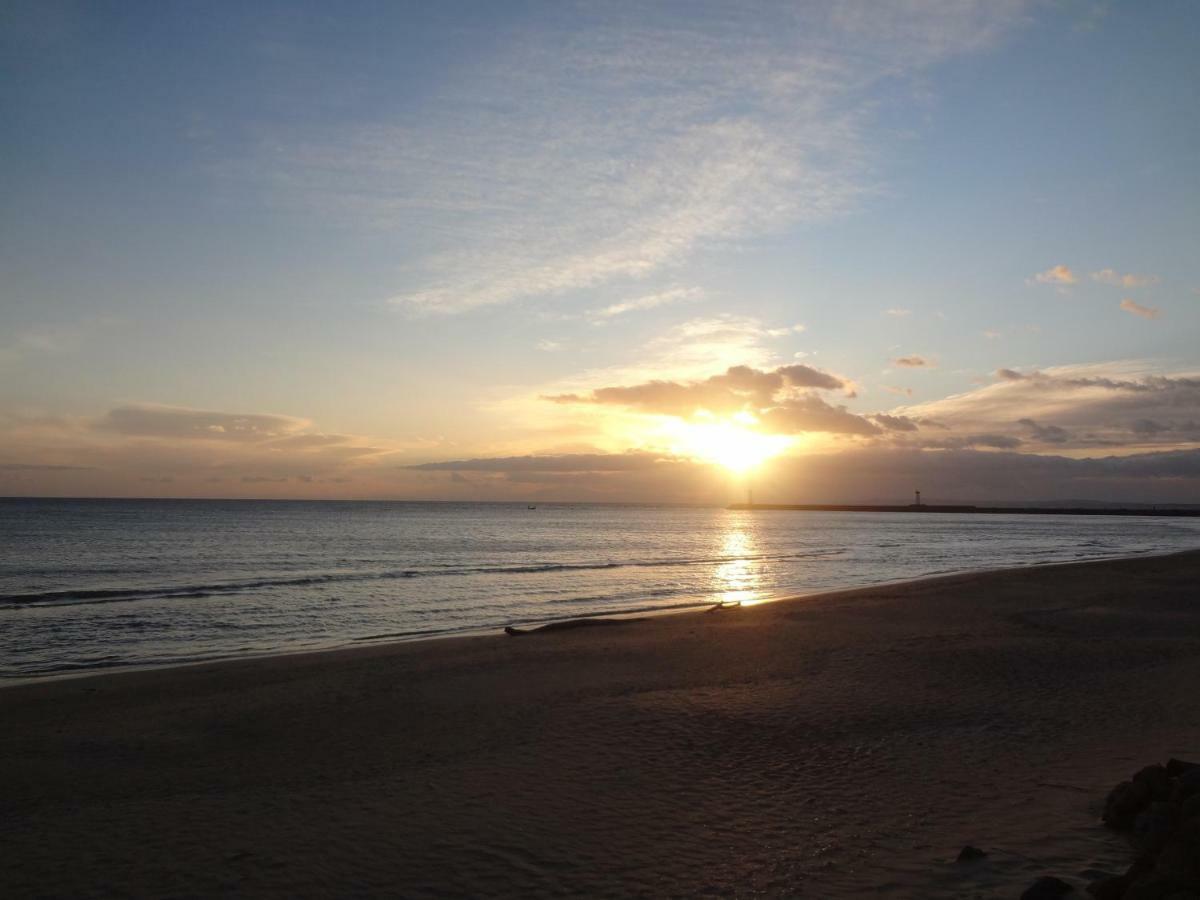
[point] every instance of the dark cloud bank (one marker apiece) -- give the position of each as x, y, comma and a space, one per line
867, 475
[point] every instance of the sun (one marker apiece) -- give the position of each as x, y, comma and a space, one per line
726, 442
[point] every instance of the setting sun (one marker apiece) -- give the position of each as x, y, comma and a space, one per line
728, 443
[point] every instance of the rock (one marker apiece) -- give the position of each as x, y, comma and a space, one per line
1161, 805
1178, 863
1187, 784
1187, 832
1176, 767
1156, 780
1109, 888
1152, 888
1047, 888
1115, 888
1190, 808
1153, 826
1124, 802
970, 854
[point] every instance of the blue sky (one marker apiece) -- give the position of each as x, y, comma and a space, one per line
312, 246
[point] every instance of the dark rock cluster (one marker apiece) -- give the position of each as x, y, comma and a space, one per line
1160, 810
970, 854
1047, 888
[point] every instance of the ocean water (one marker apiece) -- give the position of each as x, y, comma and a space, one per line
91, 584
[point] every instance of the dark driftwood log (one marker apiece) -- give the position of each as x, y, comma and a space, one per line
732, 604
566, 625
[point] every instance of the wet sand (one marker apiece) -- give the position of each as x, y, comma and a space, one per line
839, 745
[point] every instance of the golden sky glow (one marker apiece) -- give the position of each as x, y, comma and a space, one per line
730, 442
615, 251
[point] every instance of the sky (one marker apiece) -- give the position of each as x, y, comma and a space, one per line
667, 252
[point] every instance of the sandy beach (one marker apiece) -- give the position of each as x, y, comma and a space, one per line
839, 745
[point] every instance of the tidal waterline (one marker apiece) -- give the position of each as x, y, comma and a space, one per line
92, 584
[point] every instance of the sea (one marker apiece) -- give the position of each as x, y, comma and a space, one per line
87, 585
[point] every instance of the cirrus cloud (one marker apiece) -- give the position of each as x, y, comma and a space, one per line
646, 301
1060, 275
1146, 312
591, 146
150, 420
1130, 280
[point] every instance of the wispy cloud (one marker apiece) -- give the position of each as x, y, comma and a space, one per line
38, 342
895, 423
569, 462
898, 313
38, 467
148, 420
601, 146
699, 345
1146, 312
689, 350
1113, 406
912, 362
1059, 275
647, 301
137, 444
1108, 276
1047, 434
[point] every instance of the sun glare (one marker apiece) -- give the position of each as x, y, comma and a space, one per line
727, 443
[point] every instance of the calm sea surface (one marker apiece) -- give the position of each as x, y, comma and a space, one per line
89, 584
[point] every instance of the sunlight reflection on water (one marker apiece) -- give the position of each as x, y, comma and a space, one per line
92, 584
739, 579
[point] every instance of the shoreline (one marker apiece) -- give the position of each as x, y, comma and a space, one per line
838, 744
497, 630
485, 631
